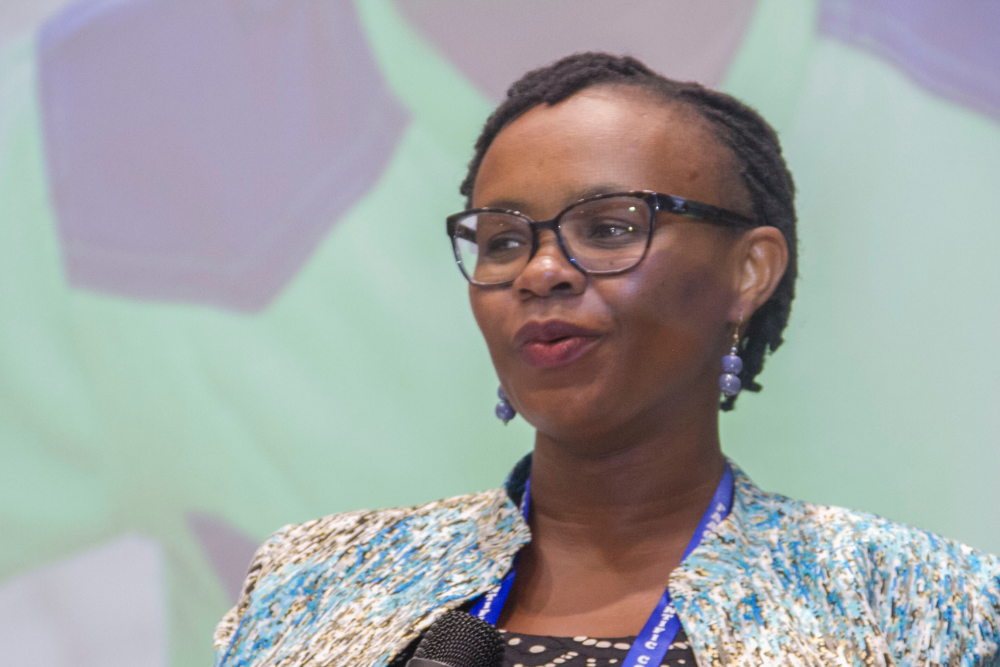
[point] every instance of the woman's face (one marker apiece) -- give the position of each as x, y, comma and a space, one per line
584, 356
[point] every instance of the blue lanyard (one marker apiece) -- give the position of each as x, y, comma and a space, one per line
650, 646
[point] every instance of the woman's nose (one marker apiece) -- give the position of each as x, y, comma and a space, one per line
549, 272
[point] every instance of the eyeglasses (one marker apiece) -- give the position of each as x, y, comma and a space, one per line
602, 235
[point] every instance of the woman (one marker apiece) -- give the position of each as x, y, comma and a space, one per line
667, 243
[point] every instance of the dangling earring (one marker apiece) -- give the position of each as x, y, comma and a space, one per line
504, 411
729, 384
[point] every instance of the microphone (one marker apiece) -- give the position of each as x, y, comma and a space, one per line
459, 640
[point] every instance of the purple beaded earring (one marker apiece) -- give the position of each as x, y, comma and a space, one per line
729, 383
504, 410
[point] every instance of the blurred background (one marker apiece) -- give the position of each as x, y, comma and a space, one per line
227, 301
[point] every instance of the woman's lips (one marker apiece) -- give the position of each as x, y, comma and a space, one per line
556, 353
553, 343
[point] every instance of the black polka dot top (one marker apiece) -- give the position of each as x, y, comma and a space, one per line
534, 651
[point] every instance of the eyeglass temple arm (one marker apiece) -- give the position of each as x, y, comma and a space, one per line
706, 212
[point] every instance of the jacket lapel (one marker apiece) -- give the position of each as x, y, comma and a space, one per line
472, 557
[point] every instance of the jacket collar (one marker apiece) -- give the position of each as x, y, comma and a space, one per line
517, 478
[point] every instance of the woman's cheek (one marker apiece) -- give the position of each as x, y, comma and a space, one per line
665, 310
489, 311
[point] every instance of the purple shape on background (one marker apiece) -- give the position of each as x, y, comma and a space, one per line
228, 549
494, 43
199, 150
950, 48
104, 607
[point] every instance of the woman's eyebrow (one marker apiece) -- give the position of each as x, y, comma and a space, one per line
521, 206
508, 204
604, 189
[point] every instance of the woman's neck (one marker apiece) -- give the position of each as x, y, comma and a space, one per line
609, 522
660, 482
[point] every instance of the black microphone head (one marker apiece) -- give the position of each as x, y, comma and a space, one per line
460, 640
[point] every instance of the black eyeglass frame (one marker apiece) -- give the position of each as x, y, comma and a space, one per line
656, 203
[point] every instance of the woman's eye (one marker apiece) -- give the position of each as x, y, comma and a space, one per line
499, 244
611, 229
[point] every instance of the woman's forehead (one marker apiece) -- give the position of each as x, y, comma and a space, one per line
600, 138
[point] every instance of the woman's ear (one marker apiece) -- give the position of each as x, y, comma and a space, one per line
763, 256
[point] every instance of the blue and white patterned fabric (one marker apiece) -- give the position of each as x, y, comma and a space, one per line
779, 582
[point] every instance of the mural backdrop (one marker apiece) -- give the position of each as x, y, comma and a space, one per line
227, 301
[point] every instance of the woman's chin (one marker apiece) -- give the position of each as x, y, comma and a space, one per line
572, 420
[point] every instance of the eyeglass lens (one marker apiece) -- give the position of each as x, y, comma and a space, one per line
602, 235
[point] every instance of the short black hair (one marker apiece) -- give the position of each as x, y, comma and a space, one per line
753, 143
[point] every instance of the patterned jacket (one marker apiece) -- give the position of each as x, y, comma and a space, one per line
779, 582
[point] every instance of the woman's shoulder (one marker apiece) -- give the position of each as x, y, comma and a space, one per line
331, 535
912, 583
779, 519
780, 567
883, 542
395, 544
